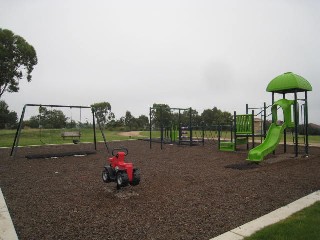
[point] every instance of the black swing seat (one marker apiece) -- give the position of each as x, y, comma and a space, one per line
71, 135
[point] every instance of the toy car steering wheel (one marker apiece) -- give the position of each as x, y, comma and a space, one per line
121, 149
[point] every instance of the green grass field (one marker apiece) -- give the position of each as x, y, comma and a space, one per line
53, 136
300, 226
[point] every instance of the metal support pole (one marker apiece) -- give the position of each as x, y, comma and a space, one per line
202, 135
190, 127
94, 129
296, 115
161, 128
252, 128
219, 136
235, 129
284, 133
179, 125
306, 123
274, 152
17, 136
265, 120
150, 127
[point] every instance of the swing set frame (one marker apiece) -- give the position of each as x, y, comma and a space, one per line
18, 132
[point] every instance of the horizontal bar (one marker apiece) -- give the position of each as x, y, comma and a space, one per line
49, 105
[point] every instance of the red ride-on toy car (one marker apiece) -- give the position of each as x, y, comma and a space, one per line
119, 171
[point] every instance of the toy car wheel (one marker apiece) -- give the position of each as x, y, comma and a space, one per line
105, 176
122, 179
136, 176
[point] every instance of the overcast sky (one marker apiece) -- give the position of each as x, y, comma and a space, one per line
184, 53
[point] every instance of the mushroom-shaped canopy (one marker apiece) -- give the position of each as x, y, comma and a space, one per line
289, 83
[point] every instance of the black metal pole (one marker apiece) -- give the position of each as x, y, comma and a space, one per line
272, 98
274, 152
190, 126
265, 120
202, 135
252, 128
219, 136
284, 133
161, 128
150, 128
296, 115
231, 132
306, 122
17, 136
235, 129
94, 129
179, 125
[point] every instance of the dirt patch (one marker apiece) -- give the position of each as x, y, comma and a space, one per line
185, 192
130, 134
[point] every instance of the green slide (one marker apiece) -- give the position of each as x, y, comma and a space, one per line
269, 144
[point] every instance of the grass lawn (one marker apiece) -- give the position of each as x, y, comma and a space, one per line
53, 136
300, 226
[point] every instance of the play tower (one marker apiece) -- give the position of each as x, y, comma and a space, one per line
293, 84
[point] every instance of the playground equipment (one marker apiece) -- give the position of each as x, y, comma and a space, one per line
172, 127
20, 126
117, 170
284, 84
241, 129
275, 131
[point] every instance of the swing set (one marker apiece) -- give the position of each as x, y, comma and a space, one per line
74, 134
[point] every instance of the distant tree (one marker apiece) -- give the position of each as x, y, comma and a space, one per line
129, 120
313, 129
8, 119
215, 116
48, 119
185, 118
143, 122
33, 122
17, 59
103, 113
208, 117
161, 114
225, 117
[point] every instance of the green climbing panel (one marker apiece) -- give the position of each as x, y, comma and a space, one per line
244, 124
226, 146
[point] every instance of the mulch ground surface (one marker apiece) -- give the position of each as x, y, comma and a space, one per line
185, 192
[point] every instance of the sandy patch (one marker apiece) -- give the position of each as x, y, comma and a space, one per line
131, 133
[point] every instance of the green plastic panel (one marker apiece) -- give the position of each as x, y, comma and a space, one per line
285, 104
244, 124
226, 146
289, 83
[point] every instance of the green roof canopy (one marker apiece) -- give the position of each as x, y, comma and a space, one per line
289, 83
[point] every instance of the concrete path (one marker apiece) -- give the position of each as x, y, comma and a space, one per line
7, 231
270, 218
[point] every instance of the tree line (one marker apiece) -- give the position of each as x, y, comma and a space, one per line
162, 115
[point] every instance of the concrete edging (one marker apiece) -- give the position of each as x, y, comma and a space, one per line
275, 216
7, 230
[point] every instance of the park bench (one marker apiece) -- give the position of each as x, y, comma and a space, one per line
71, 135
